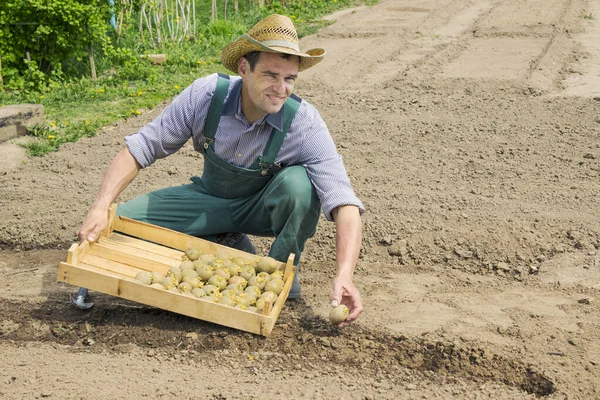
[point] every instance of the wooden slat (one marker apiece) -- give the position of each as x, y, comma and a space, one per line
128, 289
148, 246
114, 266
112, 215
78, 252
173, 239
131, 256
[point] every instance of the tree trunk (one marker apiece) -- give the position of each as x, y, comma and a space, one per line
92, 64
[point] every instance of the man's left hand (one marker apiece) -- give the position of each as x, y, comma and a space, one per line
344, 292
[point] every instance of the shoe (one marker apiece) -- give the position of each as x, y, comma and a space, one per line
237, 241
295, 290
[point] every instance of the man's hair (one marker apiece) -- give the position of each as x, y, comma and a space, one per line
254, 56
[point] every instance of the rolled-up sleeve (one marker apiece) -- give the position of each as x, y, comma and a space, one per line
324, 165
184, 117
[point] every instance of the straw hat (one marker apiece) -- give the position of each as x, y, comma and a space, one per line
274, 34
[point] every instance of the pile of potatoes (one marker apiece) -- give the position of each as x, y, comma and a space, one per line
221, 278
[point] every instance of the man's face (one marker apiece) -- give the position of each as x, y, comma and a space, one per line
265, 90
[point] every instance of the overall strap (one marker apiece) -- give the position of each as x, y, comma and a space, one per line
214, 110
276, 139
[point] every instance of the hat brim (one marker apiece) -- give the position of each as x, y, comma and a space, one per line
231, 54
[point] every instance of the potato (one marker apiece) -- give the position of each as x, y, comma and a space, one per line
277, 274
175, 273
257, 281
185, 287
267, 264
144, 277
157, 277
193, 253
205, 272
253, 290
224, 272
169, 282
187, 264
247, 272
192, 280
274, 285
210, 289
269, 296
338, 314
218, 281
206, 258
238, 280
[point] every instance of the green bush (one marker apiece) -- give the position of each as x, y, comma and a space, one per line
44, 40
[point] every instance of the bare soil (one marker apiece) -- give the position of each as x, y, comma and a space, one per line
470, 129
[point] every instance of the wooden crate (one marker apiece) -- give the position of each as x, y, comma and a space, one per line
127, 247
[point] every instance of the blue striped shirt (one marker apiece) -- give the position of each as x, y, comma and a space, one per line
307, 143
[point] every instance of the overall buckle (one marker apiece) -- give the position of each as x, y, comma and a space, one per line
264, 168
207, 142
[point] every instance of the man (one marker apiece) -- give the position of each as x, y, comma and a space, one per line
270, 164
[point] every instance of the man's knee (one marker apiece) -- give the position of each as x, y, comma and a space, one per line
298, 189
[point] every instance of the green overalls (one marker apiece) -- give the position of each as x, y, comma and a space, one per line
263, 200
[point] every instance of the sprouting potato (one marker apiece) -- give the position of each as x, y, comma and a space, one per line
226, 300
187, 264
250, 296
239, 281
192, 280
252, 309
205, 272
269, 296
169, 282
241, 261
198, 292
274, 285
218, 281
338, 314
173, 289
277, 274
257, 281
157, 285
229, 293
215, 297
144, 277
235, 287
206, 258
175, 273
267, 264
216, 262
224, 272
260, 303
247, 272
242, 301
185, 287
189, 273
157, 277
265, 276
193, 253
253, 290
233, 269
210, 289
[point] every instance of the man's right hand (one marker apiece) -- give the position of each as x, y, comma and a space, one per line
123, 169
94, 223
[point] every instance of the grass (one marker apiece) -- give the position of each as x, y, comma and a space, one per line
79, 107
587, 15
